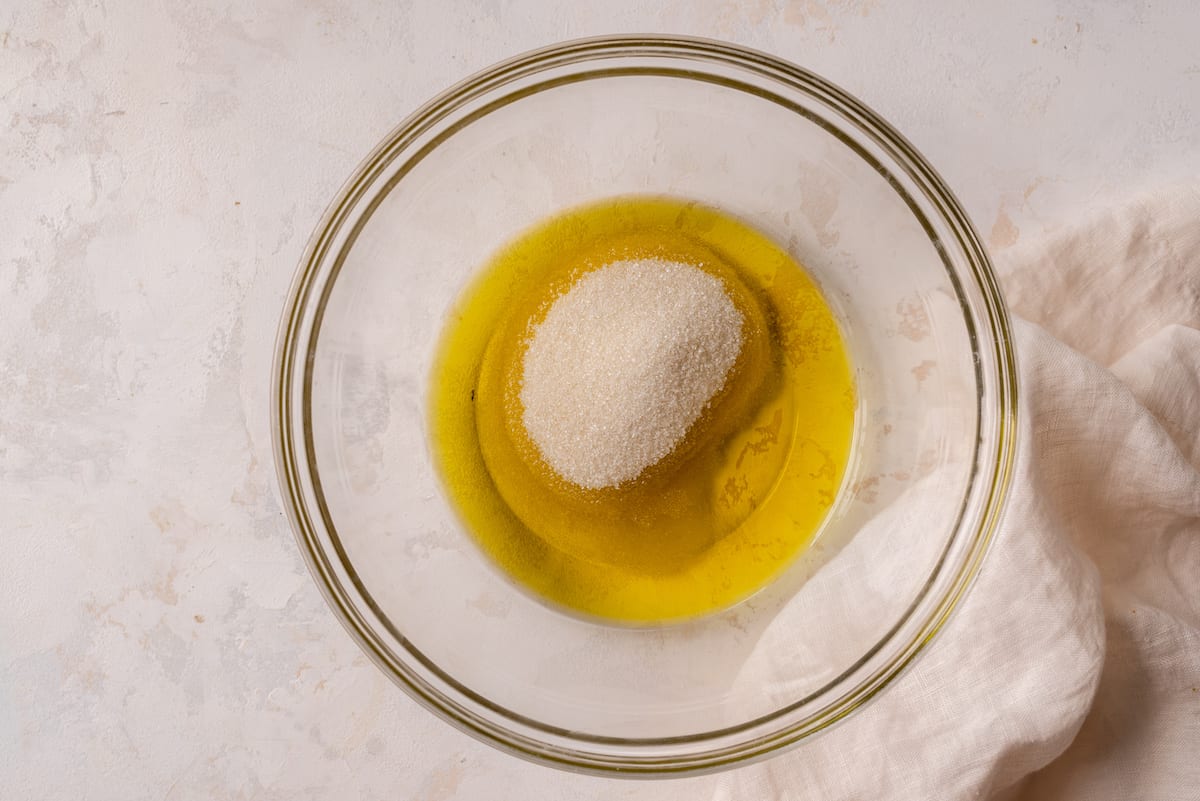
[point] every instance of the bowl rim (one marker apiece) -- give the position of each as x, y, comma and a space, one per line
525, 737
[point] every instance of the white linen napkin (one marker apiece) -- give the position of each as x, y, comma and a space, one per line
1072, 671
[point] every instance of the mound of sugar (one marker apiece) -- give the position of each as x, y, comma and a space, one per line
622, 366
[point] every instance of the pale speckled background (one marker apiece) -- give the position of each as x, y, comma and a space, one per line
160, 170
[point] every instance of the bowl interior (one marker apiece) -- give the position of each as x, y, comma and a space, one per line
413, 234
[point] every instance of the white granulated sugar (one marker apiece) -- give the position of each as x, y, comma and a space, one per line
623, 365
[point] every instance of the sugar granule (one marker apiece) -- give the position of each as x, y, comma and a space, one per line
623, 365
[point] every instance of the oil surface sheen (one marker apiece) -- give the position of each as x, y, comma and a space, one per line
737, 499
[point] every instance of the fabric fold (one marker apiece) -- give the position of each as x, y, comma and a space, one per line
1072, 670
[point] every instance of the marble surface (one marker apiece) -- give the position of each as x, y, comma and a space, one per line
161, 170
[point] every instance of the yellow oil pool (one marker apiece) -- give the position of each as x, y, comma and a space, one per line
730, 507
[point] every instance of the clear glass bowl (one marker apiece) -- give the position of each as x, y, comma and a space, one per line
762, 140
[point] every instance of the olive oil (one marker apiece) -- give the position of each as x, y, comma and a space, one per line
735, 501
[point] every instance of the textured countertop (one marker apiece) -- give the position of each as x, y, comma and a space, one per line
160, 171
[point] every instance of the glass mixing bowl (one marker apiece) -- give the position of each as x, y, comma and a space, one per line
757, 138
